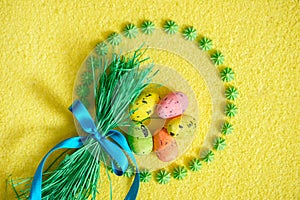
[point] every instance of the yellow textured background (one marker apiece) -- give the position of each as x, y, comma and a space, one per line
43, 44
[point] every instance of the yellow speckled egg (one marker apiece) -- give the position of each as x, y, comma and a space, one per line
181, 125
143, 107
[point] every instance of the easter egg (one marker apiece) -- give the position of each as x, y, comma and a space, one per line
140, 139
140, 146
181, 125
161, 139
165, 146
159, 89
169, 153
183, 99
143, 107
172, 105
139, 130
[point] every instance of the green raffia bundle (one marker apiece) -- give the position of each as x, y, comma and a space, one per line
77, 175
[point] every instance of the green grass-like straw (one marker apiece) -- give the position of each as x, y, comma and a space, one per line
77, 176
117, 89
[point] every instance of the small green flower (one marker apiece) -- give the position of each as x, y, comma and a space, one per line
91, 60
205, 44
227, 74
130, 31
148, 27
92, 63
226, 128
190, 33
217, 58
219, 143
195, 164
85, 102
114, 39
87, 78
231, 93
82, 91
231, 110
179, 172
129, 172
145, 176
163, 177
101, 49
171, 27
208, 156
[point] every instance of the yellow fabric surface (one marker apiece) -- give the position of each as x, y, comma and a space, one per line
43, 43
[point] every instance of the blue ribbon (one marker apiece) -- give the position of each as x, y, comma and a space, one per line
114, 150
36, 187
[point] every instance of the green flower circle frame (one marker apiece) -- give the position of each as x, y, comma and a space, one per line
187, 38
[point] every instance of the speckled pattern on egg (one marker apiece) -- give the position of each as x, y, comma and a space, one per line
172, 105
140, 139
144, 106
181, 125
165, 146
169, 153
139, 130
140, 146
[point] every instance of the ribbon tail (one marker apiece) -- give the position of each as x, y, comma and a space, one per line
134, 189
36, 187
121, 140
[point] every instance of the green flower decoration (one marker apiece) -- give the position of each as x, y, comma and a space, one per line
208, 156
129, 172
163, 177
85, 102
195, 164
130, 31
87, 78
148, 27
114, 39
101, 49
226, 128
227, 74
217, 58
82, 91
90, 61
190, 33
171, 27
179, 172
145, 176
231, 110
231, 93
205, 44
219, 143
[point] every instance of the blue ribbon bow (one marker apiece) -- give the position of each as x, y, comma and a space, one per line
114, 150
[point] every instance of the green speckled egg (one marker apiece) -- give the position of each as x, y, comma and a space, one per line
140, 139
140, 146
144, 105
139, 130
181, 125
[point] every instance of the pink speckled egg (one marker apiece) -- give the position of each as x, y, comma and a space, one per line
172, 105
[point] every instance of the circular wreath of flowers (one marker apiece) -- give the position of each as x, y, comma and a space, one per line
226, 74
